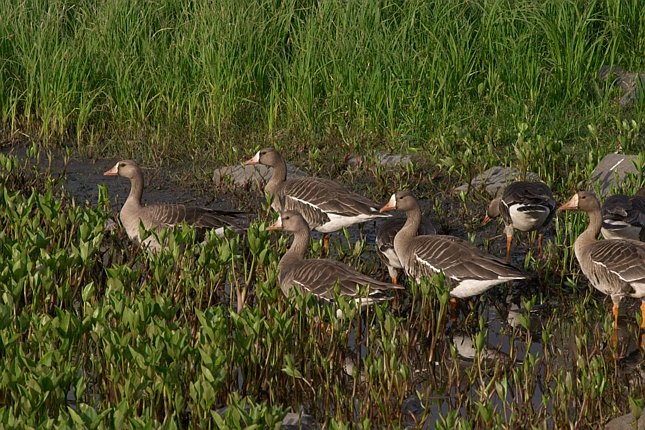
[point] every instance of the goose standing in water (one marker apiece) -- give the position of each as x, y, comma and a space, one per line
615, 267
624, 217
323, 203
320, 276
159, 216
468, 270
525, 206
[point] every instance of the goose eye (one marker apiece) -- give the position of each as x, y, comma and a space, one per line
121, 164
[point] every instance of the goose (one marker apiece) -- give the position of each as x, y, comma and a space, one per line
468, 270
320, 276
624, 217
524, 206
158, 216
615, 267
324, 204
385, 243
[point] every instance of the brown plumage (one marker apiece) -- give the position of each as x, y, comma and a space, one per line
324, 204
614, 267
320, 276
468, 270
158, 216
524, 206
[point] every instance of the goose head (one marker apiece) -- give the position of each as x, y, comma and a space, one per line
267, 156
581, 201
126, 168
492, 211
401, 201
290, 221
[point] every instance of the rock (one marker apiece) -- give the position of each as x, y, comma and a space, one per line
301, 421
495, 179
626, 422
387, 160
611, 171
241, 176
629, 82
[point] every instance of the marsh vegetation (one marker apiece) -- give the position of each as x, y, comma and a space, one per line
96, 332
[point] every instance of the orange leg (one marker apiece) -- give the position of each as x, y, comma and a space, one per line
453, 308
509, 242
539, 240
614, 311
614, 335
325, 250
395, 280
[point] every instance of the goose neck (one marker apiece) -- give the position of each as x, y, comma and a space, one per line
278, 177
298, 248
407, 233
591, 232
136, 190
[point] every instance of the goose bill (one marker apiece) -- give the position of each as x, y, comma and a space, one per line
276, 225
571, 204
254, 160
390, 205
114, 171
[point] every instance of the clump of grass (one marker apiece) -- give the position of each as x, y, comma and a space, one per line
206, 73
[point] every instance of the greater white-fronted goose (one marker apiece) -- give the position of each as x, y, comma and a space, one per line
468, 270
525, 206
320, 276
624, 217
615, 267
324, 204
158, 216
385, 242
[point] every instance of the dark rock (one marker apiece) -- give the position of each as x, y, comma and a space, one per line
243, 175
611, 171
631, 83
626, 422
495, 179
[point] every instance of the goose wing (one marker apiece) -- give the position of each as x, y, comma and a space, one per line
637, 215
320, 276
623, 258
161, 216
529, 193
325, 196
531, 198
458, 260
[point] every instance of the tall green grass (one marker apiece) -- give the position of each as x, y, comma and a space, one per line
407, 71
